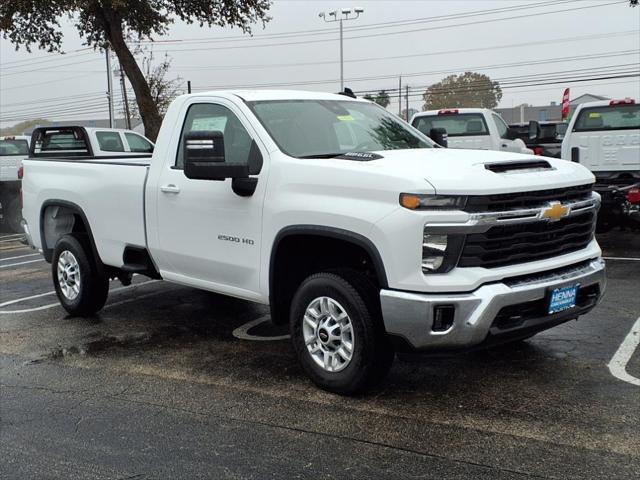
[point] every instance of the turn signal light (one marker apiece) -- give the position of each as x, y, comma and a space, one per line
633, 195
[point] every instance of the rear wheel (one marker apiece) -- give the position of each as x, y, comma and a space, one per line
337, 332
82, 289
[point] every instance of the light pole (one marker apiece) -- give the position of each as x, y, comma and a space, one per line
339, 16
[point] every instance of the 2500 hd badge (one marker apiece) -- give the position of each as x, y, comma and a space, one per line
229, 238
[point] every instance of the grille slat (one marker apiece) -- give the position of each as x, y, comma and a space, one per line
514, 201
504, 245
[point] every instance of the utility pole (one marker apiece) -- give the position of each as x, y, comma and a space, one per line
109, 87
123, 87
407, 103
400, 96
345, 14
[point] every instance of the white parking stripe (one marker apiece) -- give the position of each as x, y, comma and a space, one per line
633, 259
21, 263
618, 364
17, 239
51, 305
11, 235
19, 256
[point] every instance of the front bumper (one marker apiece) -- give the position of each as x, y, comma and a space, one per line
507, 310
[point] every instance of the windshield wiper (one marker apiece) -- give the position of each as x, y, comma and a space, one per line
323, 155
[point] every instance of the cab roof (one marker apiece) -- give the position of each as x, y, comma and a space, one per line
259, 95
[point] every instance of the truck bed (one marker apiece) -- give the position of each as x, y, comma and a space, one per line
110, 192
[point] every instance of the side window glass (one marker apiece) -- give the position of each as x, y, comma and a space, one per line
502, 127
138, 144
209, 117
110, 141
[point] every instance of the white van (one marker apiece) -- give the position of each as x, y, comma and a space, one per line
471, 128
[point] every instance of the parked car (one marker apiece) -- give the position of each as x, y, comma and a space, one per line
13, 150
347, 221
547, 142
604, 136
474, 128
78, 141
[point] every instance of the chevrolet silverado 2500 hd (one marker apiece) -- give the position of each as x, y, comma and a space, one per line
356, 229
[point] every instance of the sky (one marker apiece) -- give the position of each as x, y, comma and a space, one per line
535, 48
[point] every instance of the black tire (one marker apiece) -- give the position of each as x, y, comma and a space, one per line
372, 353
14, 215
93, 285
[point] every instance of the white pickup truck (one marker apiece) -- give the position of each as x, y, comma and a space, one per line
357, 230
604, 136
471, 128
13, 150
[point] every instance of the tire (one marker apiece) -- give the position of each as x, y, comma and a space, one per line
81, 288
332, 295
14, 215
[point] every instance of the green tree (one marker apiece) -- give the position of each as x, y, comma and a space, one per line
112, 23
467, 90
381, 98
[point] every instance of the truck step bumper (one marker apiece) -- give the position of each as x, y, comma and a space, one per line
494, 313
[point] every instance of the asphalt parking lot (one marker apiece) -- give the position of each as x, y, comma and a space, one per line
170, 382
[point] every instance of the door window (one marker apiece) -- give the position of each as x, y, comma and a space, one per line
110, 141
209, 117
138, 144
503, 129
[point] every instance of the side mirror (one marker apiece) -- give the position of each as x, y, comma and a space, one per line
439, 135
535, 132
204, 158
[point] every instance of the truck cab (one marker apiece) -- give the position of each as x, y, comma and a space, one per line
604, 136
471, 128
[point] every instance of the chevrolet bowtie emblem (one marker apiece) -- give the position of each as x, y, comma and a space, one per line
555, 211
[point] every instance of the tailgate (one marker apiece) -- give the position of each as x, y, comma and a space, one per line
613, 151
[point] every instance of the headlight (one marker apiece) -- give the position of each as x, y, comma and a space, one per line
419, 201
434, 248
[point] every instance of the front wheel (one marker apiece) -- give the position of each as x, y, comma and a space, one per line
81, 288
337, 332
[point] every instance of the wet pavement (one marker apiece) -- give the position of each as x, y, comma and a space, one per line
170, 382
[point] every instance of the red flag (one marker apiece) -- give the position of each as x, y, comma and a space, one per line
565, 104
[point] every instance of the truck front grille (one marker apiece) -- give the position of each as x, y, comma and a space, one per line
504, 245
514, 201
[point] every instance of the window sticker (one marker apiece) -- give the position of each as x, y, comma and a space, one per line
594, 115
346, 118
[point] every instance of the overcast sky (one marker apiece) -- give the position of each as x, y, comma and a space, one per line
543, 45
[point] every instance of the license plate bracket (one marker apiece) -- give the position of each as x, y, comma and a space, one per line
563, 298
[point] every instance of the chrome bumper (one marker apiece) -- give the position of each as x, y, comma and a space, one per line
409, 315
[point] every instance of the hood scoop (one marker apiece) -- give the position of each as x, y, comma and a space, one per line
522, 166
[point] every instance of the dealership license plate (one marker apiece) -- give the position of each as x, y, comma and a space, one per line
563, 298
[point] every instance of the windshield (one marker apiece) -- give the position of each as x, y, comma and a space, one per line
326, 128
613, 117
14, 147
456, 124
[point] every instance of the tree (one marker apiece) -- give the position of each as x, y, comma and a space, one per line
163, 90
111, 23
467, 90
381, 98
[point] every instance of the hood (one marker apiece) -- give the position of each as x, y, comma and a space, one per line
465, 172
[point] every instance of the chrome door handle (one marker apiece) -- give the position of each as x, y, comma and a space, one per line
171, 188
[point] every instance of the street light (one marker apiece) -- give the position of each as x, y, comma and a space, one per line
339, 16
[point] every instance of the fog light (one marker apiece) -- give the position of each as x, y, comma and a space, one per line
443, 317
433, 250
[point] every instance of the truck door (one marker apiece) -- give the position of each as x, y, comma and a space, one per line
208, 236
506, 144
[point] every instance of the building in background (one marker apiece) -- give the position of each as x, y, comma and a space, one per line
552, 112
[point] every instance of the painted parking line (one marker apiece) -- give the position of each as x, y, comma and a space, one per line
12, 235
618, 364
15, 240
56, 304
242, 332
633, 259
21, 263
19, 256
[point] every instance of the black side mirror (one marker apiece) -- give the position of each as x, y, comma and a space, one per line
535, 132
204, 158
439, 135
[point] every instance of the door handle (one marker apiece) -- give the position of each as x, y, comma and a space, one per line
171, 188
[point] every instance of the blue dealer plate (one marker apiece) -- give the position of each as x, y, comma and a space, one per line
563, 298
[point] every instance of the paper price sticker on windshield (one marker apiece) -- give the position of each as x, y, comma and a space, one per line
346, 118
594, 115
